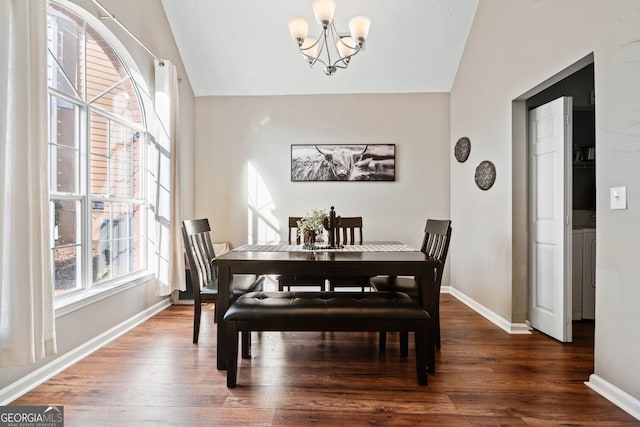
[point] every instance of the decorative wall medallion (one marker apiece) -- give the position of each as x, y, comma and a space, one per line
462, 149
485, 175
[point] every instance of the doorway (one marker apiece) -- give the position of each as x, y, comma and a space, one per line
579, 85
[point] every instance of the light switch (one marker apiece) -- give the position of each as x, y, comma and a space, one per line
618, 197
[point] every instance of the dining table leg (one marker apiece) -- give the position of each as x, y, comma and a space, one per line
222, 304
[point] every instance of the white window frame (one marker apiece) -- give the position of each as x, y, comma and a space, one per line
88, 291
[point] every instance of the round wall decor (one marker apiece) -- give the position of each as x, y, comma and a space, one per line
485, 175
462, 149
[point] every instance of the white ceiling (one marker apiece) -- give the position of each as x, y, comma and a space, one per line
243, 47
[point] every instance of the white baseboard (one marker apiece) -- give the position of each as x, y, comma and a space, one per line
618, 397
14, 390
501, 322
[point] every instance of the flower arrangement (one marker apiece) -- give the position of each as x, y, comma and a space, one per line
313, 220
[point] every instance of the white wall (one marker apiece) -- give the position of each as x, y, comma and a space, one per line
234, 131
75, 329
513, 47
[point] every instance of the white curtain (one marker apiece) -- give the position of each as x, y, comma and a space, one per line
165, 236
27, 316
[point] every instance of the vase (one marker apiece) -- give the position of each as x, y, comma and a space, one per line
309, 239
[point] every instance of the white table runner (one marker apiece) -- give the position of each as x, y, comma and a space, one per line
399, 247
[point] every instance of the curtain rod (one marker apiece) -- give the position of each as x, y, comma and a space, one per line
111, 16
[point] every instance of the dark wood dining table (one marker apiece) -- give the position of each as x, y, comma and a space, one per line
369, 259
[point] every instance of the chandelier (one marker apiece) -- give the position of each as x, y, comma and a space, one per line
331, 49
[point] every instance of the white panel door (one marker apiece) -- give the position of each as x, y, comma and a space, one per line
550, 219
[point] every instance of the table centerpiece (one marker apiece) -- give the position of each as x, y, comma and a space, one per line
311, 227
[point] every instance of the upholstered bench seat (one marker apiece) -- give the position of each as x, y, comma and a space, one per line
329, 311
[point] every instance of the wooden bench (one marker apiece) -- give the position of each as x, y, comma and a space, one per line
329, 311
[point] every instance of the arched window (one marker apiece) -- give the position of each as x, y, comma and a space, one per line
96, 132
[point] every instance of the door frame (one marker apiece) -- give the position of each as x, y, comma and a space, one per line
520, 204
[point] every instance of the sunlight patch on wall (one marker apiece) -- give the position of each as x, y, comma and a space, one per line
262, 225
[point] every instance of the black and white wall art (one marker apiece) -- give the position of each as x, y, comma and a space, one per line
343, 162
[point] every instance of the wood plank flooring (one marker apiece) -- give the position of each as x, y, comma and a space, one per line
155, 376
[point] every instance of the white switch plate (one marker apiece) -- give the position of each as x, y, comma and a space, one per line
618, 197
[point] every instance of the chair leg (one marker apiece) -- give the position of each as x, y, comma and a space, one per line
246, 344
431, 348
232, 354
197, 309
382, 341
404, 343
437, 327
422, 355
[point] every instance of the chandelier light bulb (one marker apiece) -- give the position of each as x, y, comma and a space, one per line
323, 10
309, 47
346, 47
298, 28
359, 28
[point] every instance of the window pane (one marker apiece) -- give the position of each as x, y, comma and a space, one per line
99, 167
108, 83
121, 179
99, 175
63, 122
120, 140
63, 170
121, 247
67, 269
67, 250
101, 236
66, 42
66, 222
57, 80
114, 253
99, 134
104, 69
121, 101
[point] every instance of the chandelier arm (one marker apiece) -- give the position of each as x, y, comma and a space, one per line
346, 59
341, 64
329, 31
312, 59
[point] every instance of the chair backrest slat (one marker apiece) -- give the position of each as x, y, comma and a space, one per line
347, 227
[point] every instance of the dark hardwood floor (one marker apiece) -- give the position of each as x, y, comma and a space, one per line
154, 375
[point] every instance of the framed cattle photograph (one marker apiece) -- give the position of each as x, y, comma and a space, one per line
343, 162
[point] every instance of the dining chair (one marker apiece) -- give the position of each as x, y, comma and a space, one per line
288, 281
437, 235
347, 229
196, 234
293, 228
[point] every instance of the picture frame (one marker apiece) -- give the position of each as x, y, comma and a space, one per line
343, 162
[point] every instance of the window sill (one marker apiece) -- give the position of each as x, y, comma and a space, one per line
70, 303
